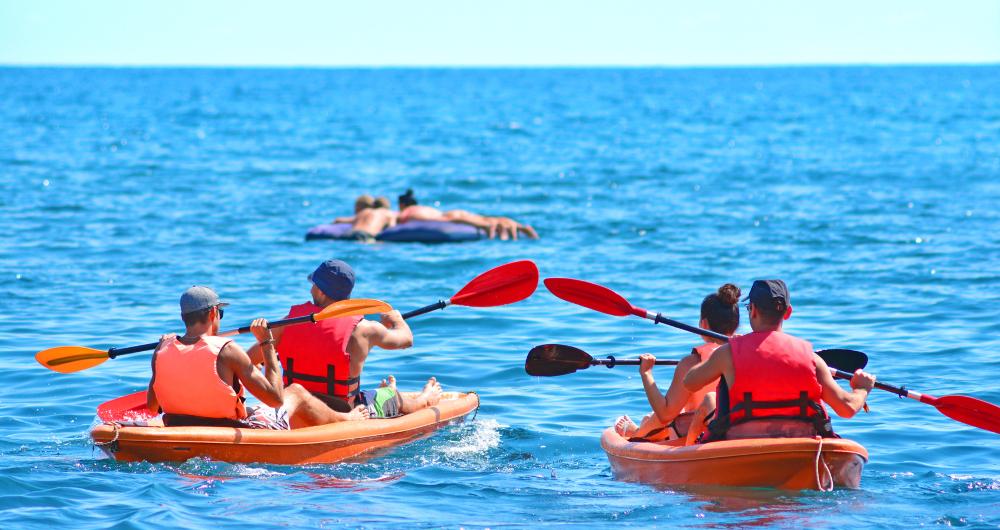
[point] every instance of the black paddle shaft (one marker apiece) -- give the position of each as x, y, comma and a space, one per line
660, 319
440, 304
115, 352
611, 362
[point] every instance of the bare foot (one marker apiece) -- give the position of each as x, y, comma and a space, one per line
431, 392
358, 413
625, 427
389, 382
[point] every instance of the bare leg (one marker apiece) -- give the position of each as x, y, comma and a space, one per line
698, 420
305, 410
428, 397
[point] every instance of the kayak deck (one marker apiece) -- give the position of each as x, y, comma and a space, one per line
322, 444
783, 463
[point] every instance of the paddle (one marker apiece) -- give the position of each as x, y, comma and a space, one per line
558, 359
506, 284
604, 300
843, 363
69, 359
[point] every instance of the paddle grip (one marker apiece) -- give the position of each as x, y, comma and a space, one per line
441, 304
115, 352
901, 392
660, 319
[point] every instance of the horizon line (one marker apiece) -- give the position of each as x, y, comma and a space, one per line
307, 66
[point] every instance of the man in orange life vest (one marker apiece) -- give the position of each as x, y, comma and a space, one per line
776, 384
326, 358
198, 379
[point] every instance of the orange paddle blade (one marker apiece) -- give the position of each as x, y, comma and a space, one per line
353, 307
69, 359
970, 411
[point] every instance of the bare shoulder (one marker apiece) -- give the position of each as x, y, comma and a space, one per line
233, 353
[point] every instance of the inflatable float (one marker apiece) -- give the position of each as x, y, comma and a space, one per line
783, 463
412, 232
323, 444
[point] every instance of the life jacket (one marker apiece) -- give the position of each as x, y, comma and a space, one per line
315, 355
187, 381
704, 352
775, 385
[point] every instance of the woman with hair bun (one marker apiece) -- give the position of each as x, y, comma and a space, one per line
673, 412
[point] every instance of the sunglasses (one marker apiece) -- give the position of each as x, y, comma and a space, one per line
220, 310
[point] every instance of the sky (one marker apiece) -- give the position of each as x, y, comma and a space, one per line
498, 32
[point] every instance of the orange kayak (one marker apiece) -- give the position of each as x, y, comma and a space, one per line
323, 444
784, 463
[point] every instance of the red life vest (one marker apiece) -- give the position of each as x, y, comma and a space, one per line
704, 352
187, 381
315, 355
776, 369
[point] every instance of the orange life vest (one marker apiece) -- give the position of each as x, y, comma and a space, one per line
772, 367
704, 352
315, 355
187, 380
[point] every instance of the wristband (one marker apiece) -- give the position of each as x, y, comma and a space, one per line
268, 342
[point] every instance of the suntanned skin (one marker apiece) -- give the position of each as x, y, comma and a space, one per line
371, 220
720, 364
233, 363
665, 407
505, 227
391, 334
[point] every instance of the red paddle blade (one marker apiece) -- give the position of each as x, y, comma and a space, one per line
502, 285
590, 295
970, 411
131, 407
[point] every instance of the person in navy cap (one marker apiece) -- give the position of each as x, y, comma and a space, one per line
323, 362
773, 384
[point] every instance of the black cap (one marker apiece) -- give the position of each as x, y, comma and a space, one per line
769, 294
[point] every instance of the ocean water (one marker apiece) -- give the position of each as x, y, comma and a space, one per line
872, 191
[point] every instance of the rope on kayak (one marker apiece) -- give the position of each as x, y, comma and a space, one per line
113, 440
829, 474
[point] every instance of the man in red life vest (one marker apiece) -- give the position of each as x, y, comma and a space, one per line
198, 379
773, 382
323, 361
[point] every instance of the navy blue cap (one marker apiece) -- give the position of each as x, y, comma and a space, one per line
335, 278
769, 294
197, 298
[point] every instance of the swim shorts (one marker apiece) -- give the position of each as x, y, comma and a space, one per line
383, 402
258, 417
360, 235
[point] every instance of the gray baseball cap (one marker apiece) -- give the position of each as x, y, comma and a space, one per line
197, 298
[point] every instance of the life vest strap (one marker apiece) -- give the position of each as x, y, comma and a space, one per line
330, 379
819, 419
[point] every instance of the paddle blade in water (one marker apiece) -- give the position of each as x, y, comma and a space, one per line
69, 359
502, 285
846, 360
589, 295
555, 359
353, 307
130, 408
970, 411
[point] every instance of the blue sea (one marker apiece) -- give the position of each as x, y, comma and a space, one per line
872, 191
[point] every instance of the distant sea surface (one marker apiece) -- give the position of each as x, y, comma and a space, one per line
872, 191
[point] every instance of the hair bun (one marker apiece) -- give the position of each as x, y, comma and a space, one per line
729, 294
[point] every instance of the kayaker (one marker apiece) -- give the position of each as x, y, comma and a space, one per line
504, 227
369, 219
773, 384
672, 412
198, 378
326, 359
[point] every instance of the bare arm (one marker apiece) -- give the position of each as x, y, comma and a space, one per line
392, 334
255, 353
267, 387
344, 219
720, 364
845, 404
